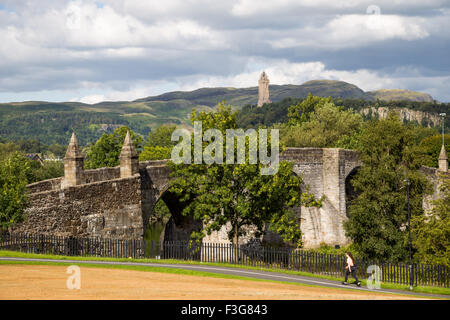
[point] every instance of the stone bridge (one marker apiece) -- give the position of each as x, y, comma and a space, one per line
118, 202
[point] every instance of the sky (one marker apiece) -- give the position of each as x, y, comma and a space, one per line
116, 50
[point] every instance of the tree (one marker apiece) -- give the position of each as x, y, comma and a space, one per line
302, 110
431, 232
56, 150
431, 147
378, 215
317, 122
158, 145
14, 172
48, 170
106, 151
237, 195
7, 149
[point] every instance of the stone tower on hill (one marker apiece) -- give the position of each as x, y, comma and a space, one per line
263, 90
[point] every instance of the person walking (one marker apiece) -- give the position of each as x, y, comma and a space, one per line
351, 268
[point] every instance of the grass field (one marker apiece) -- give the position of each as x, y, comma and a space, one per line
435, 290
37, 280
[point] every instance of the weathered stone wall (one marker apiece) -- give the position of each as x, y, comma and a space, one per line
108, 209
87, 176
101, 174
108, 206
324, 173
45, 185
105, 205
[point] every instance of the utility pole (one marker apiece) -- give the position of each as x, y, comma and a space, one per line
411, 274
443, 120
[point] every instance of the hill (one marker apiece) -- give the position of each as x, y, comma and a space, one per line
241, 96
51, 122
399, 94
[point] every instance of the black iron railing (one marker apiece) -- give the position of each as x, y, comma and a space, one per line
263, 257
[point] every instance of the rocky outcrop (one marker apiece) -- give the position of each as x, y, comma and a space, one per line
424, 118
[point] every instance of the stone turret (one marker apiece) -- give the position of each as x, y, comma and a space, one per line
263, 90
129, 162
443, 160
73, 164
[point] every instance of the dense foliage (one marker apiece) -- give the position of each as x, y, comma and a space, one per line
52, 127
431, 147
431, 232
318, 122
158, 145
250, 116
34, 169
237, 195
277, 112
378, 215
106, 151
14, 172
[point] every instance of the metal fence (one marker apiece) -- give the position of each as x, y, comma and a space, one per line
263, 257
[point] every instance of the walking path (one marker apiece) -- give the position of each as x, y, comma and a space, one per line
256, 274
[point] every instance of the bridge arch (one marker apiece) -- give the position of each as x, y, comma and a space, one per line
178, 227
350, 191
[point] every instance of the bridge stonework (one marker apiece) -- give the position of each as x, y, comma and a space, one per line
118, 202
325, 172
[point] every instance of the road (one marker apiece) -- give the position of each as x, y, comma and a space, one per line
256, 274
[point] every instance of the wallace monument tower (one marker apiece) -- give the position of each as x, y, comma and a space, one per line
263, 90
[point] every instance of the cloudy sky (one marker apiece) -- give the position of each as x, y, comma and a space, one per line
90, 51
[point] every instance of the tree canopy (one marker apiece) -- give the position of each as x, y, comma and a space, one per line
158, 145
106, 151
14, 173
317, 122
431, 232
237, 196
378, 215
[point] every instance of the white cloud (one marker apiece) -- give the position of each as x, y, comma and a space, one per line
83, 24
264, 8
355, 31
126, 49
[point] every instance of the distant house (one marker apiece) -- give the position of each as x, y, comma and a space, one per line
35, 157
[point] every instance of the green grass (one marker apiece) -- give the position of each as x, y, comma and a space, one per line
418, 289
174, 271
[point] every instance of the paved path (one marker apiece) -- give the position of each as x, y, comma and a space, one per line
256, 274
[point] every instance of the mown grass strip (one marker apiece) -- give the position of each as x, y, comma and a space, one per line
189, 273
418, 289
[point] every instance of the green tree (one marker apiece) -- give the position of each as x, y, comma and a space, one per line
48, 170
161, 137
7, 149
301, 111
106, 151
430, 233
317, 122
158, 145
431, 147
56, 150
378, 215
237, 194
14, 172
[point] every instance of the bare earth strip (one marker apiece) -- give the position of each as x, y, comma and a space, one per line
49, 282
